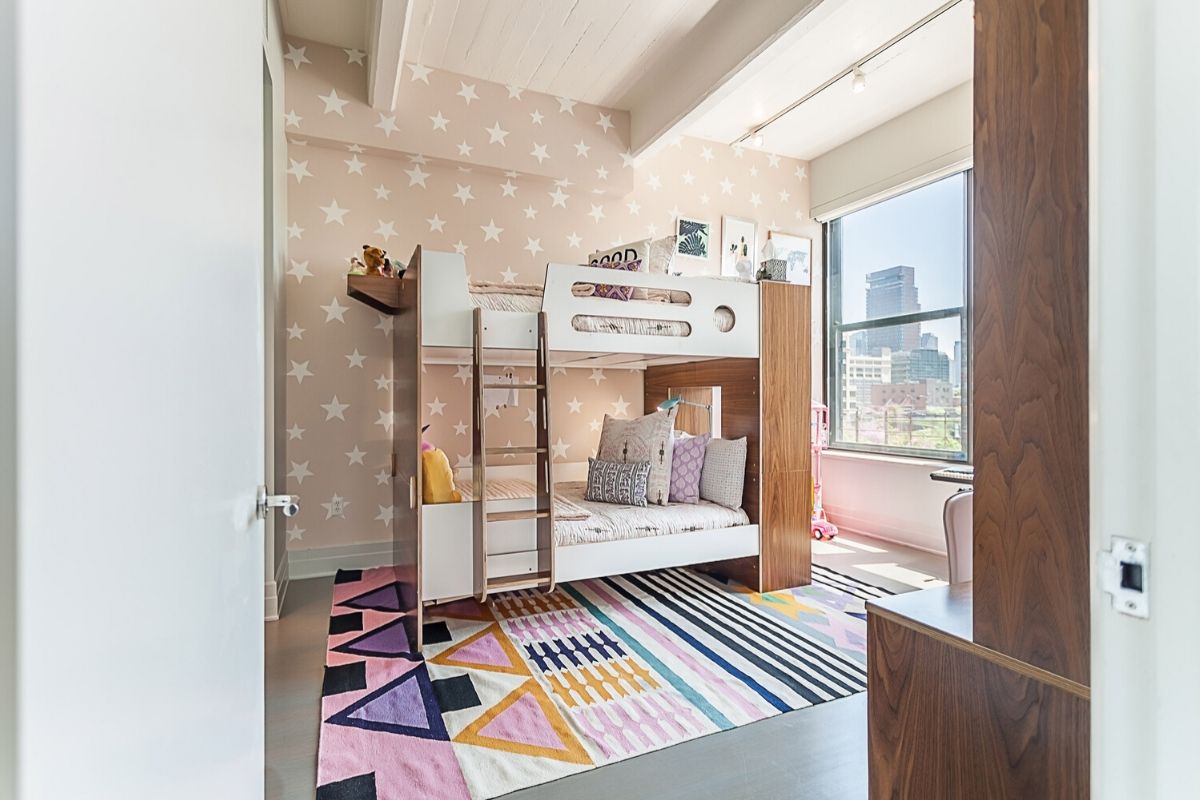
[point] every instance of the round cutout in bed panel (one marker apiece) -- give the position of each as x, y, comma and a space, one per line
724, 319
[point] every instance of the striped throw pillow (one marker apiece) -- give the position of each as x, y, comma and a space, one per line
614, 482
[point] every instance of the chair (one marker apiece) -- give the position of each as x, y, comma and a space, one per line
957, 520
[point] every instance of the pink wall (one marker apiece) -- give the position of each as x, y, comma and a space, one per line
354, 178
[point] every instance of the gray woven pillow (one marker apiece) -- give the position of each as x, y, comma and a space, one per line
724, 473
646, 438
613, 482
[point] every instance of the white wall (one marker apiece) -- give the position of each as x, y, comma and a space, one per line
884, 496
935, 138
1145, 377
8, 405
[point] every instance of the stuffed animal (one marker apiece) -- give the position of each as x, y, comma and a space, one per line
437, 479
374, 260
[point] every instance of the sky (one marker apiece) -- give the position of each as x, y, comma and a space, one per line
923, 229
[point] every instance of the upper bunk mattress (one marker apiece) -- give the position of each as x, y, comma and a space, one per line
607, 522
527, 298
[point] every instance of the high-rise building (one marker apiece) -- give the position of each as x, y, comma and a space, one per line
920, 365
956, 365
929, 341
891, 292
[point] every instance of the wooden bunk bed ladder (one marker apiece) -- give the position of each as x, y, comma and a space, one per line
543, 511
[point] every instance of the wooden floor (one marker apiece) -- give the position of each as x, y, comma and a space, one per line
811, 754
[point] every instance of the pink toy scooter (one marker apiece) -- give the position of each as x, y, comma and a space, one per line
822, 528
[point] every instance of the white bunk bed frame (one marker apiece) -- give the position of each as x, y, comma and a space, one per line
446, 336
435, 544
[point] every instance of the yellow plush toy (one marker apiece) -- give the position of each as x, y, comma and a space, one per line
437, 479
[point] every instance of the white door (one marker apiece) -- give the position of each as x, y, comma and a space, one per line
141, 383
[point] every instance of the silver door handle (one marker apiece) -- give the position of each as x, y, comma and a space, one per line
288, 503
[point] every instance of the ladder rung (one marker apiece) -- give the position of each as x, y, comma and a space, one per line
514, 386
508, 583
526, 513
514, 451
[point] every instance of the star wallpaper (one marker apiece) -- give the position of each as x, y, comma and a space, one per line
509, 178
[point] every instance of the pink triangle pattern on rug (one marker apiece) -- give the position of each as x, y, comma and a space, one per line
485, 650
523, 723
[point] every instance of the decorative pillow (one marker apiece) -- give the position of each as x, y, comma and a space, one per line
614, 482
617, 292
687, 462
724, 472
646, 438
635, 251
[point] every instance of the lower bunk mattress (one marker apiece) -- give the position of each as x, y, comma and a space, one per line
582, 521
608, 522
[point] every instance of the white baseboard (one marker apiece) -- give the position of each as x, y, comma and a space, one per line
867, 531
274, 591
320, 562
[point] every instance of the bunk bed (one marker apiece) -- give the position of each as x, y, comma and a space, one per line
695, 332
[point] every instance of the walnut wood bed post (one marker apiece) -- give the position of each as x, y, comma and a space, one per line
769, 401
406, 445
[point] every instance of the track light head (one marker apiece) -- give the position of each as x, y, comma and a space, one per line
859, 84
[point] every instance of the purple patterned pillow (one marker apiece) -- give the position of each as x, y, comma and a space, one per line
617, 292
687, 462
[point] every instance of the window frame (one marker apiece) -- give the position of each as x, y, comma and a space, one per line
835, 330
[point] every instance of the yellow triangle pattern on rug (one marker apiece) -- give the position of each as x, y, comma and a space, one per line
526, 723
784, 603
489, 650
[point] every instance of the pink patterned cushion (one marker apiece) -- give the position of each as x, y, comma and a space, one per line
617, 292
687, 462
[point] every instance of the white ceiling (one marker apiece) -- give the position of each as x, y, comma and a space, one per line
589, 50
933, 60
595, 50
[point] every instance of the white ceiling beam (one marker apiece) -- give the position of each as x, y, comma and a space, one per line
388, 27
715, 58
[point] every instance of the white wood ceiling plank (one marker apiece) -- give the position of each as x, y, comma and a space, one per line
462, 34
597, 50
573, 31
661, 34
441, 16
484, 48
515, 38
545, 33
657, 26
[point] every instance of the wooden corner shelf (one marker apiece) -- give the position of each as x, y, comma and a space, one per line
381, 294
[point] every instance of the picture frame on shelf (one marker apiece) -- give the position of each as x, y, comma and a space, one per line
796, 253
739, 246
693, 238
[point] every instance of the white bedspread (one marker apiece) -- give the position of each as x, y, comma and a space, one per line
608, 522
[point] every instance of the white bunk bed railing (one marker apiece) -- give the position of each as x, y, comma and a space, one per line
446, 313
704, 339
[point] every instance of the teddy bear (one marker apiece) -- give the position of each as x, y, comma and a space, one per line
375, 260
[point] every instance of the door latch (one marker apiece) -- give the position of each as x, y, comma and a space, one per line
1125, 574
288, 503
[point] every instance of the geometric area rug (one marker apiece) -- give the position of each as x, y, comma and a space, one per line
532, 687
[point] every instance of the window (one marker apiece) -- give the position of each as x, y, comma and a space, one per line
898, 338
